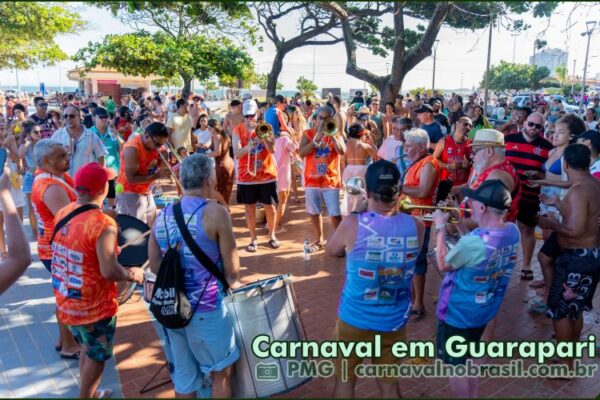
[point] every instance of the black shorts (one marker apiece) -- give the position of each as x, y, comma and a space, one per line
551, 248
112, 193
579, 270
528, 212
264, 193
446, 331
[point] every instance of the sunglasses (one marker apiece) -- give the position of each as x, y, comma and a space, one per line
102, 116
468, 124
155, 143
43, 105
532, 124
36, 131
69, 116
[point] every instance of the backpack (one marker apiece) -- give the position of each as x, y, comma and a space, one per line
170, 304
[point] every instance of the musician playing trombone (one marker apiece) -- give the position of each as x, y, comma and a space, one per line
257, 172
322, 147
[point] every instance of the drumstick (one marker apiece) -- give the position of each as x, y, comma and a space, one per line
171, 171
135, 239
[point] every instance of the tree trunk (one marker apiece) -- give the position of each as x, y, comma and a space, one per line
274, 74
187, 86
389, 91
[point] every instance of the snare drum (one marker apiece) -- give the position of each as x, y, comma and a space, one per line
264, 307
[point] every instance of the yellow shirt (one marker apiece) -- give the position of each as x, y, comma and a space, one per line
182, 131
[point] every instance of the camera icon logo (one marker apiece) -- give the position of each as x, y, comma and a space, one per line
266, 372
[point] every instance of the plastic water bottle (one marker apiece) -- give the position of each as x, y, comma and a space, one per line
306, 250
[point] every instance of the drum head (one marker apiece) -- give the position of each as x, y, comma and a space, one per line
129, 228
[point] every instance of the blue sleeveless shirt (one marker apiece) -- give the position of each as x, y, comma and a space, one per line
272, 119
198, 281
471, 295
379, 270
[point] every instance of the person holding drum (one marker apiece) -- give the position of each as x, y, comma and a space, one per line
381, 246
84, 271
207, 344
52, 190
257, 173
138, 169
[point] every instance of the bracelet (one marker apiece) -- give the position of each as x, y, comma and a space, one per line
439, 227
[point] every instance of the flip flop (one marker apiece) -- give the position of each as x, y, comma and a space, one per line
103, 393
316, 247
417, 315
58, 347
537, 307
74, 356
274, 243
526, 275
251, 248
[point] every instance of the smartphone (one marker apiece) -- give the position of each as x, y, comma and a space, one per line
2, 160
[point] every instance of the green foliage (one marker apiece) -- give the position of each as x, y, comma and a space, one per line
146, 54
28, 30
210, 85
261, 80
514, 77
306, 87
562, 75
167, 82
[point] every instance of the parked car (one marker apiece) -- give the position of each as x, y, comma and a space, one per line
570, 108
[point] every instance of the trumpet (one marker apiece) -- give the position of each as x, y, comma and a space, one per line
329, 127
407, 206
264, 130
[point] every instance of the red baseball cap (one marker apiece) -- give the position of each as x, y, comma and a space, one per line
92, 178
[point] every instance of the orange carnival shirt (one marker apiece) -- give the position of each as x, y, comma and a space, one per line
148, 162
266, 169
412, 179
44, 216
321, 166
83, 295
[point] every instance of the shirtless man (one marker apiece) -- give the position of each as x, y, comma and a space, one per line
355, 161
577, 269
234, 117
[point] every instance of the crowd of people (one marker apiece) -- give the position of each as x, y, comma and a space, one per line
78, 167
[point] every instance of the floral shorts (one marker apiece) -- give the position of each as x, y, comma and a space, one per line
96, 338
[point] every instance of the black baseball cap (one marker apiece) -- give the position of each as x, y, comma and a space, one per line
592, 136
492, 193
100, 112
424, 108
383, 177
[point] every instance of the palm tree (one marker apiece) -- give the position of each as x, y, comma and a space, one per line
562, 75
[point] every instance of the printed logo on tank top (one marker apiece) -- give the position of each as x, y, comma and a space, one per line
376, 242
374, 256
395, 242
390, 275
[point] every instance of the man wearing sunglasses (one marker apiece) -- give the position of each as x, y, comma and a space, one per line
138, 169
82, 144
528, 151
43, 118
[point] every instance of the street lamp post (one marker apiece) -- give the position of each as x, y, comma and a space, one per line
574, 76
591, 25
487, 68
435, 46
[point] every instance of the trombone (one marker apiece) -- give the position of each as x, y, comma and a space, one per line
263, 131
407, 206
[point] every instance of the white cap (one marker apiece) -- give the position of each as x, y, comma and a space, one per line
249, 107
246, 96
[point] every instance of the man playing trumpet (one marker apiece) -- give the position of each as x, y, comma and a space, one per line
257, 172
321, 172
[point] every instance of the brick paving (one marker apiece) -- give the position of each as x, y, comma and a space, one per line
29, 367
318, 284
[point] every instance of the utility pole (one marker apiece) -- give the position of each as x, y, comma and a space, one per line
435, 46
574, 76
462, 75
314, 55
60, 77
487, 68
17, 76
590, 28
514, 46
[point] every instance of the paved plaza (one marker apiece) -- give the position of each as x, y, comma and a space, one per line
29, 366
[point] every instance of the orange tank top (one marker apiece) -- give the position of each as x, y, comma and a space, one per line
412, 179
148, 161
45, 218
83, 295
321, 166
266, 169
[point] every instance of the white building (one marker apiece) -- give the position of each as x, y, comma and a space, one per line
550, 58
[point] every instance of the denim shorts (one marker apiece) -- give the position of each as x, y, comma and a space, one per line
27, 182
205, 345
315, 198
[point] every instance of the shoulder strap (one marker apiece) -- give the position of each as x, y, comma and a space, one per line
70, 216
196, 250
